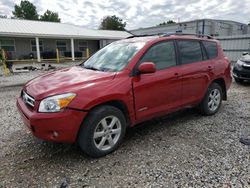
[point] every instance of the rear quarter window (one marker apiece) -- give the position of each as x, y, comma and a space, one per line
211, 48
190, 51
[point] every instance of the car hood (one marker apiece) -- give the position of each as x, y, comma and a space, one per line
65, 80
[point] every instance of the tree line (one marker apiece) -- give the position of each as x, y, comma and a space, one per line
26, 10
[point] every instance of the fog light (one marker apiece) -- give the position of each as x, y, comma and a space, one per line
55, 134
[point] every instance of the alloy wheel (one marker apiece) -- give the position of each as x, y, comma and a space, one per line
214, 100
107, 133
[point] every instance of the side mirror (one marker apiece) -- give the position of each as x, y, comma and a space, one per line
146, 67
244, 53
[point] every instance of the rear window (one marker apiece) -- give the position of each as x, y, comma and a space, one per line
190, 51
211, 48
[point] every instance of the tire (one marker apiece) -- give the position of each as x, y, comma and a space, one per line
238, 81
212, 101
102, 131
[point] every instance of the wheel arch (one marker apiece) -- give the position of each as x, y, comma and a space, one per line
121, 105
222, 83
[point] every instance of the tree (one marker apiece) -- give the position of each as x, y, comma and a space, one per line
163, 23
113, 23
25, 10
168, 22
50, 16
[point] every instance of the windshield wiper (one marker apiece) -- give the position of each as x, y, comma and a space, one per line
105, 69
91, 68
97, 69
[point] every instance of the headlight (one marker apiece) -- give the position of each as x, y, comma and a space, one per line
56, 103
239, 64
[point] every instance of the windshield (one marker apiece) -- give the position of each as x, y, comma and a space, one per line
113, 57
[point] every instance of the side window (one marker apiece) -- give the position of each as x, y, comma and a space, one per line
162, 54
33, 45
61, 45
211, 48
82, 46
7, 45
190, 51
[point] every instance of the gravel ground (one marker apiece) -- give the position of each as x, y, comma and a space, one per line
184, 149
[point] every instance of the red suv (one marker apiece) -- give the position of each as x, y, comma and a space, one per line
123, 84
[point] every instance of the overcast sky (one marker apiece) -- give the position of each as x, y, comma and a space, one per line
137, 13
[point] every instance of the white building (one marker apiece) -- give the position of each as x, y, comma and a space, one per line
21, 38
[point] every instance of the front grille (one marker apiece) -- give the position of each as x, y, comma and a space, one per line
246, 61
244, 75
27, 99
247, 68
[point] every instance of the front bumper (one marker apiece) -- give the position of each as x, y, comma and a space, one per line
243, 73
59, 127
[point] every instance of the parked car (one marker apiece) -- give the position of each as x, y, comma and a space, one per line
125, 83
241, 69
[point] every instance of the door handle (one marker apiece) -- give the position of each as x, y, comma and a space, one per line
210, 68
176, 74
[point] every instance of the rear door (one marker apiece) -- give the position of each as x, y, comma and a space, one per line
196, 70
159, 92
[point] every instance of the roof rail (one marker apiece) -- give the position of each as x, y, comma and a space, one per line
146, 35
191, 34
172, 33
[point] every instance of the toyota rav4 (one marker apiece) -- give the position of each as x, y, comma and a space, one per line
125, 83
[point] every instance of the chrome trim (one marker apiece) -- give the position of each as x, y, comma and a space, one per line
27, 99
246, 65
142, 109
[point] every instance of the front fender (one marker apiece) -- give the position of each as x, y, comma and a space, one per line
120, 89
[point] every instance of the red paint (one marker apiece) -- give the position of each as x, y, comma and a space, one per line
145, 95
147, 67
160, 92
42, 125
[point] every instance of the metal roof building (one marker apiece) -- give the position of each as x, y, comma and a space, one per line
202, 26
234, 36
234, 46
22, 37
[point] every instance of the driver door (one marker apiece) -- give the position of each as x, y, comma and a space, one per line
160, 92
